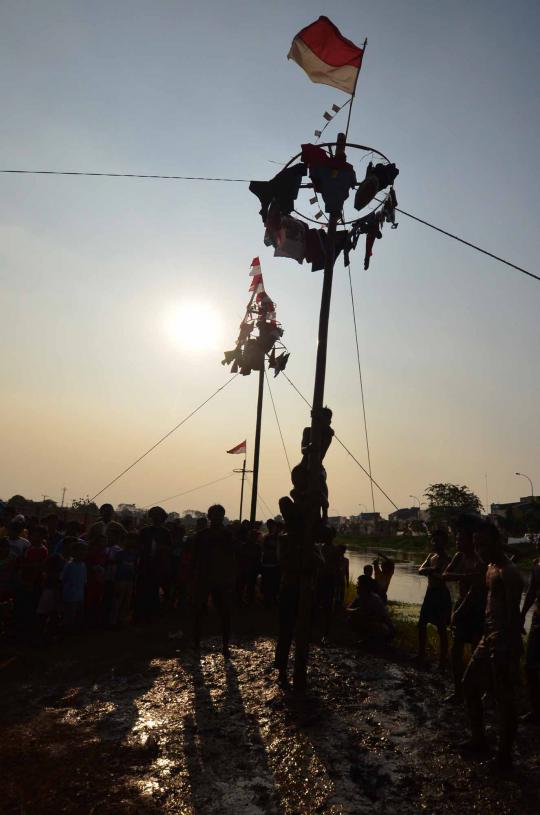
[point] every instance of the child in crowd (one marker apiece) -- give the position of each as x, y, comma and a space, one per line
126, 564
50, 601
7, 571
74, 585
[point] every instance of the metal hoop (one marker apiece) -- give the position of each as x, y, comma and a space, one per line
363, 147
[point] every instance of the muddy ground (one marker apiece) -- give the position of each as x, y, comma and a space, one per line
131, 722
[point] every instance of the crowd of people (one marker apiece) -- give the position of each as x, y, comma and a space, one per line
488, 616
67, 578
64, 577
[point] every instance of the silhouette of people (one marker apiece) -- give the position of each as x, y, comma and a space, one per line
532, 655
494, 665
384, 568
213, 575
369, 616
437, 606
469, 571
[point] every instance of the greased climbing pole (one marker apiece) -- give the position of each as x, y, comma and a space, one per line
330, 58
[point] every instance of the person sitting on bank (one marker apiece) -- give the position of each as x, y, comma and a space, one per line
369, 616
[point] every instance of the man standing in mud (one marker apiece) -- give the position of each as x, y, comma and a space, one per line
469, 571
532, 656
213, 575
494, 666
437, 606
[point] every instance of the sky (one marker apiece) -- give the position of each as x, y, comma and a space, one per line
101, 277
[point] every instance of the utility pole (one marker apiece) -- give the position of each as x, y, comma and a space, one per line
315, 460
257, 448
243, 471
63, 497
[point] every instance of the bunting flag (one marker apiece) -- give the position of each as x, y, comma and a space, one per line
257, 284
240, 449
255, 267
327, 56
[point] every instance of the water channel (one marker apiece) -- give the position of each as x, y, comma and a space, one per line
407, 586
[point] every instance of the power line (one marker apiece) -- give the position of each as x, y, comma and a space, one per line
277, 420
468, 243
122, 175
361, 387
166, 436
301, 395
193, 489
259, 496
247, 181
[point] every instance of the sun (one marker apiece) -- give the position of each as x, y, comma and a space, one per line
195, 326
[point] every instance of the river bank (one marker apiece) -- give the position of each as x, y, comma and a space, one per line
416, 547
131, 722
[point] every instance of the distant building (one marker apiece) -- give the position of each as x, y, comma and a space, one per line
405, 514
515, 506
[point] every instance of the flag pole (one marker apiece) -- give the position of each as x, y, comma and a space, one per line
354, 90
242, 489
257, 448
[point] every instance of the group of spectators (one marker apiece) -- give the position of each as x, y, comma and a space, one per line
60, 577
66, 577
488, 617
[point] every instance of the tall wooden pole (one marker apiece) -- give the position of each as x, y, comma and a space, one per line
305, 610
242, 489
257, 449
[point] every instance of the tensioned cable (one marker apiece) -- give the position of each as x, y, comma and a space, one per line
193, 489
124, 175
277, 420
301, 395
468, 243
166, 436
259, 496
361, 387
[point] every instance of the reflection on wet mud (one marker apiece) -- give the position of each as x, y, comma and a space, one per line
181, 734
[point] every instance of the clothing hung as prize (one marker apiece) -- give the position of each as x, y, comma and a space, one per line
332, 177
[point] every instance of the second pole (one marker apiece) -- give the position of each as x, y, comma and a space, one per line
257, 448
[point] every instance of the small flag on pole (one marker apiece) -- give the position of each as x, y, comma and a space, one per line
327, 56
240, 449
255, 267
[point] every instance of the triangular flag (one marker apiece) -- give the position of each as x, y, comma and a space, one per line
240, 449
255, 267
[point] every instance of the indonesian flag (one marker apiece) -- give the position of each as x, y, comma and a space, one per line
327, 56
257, 284
240, 449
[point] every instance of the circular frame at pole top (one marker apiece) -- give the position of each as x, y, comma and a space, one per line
364, 148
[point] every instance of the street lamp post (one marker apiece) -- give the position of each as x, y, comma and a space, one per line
530, 482
416, 498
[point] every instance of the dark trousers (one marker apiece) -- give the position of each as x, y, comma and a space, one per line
493, 672
288, 601
221, 600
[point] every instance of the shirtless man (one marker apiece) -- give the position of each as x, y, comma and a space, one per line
469, 571
494, 666
437, 606
532, 656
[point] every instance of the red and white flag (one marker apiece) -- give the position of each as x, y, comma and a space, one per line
327, 56
257, 283
255, 267
240, 449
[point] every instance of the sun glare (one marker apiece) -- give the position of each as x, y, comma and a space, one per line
194, 326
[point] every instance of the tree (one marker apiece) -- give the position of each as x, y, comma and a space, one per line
15, 500
85, 505
447, 501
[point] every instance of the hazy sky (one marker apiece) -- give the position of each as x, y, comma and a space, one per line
94, 270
